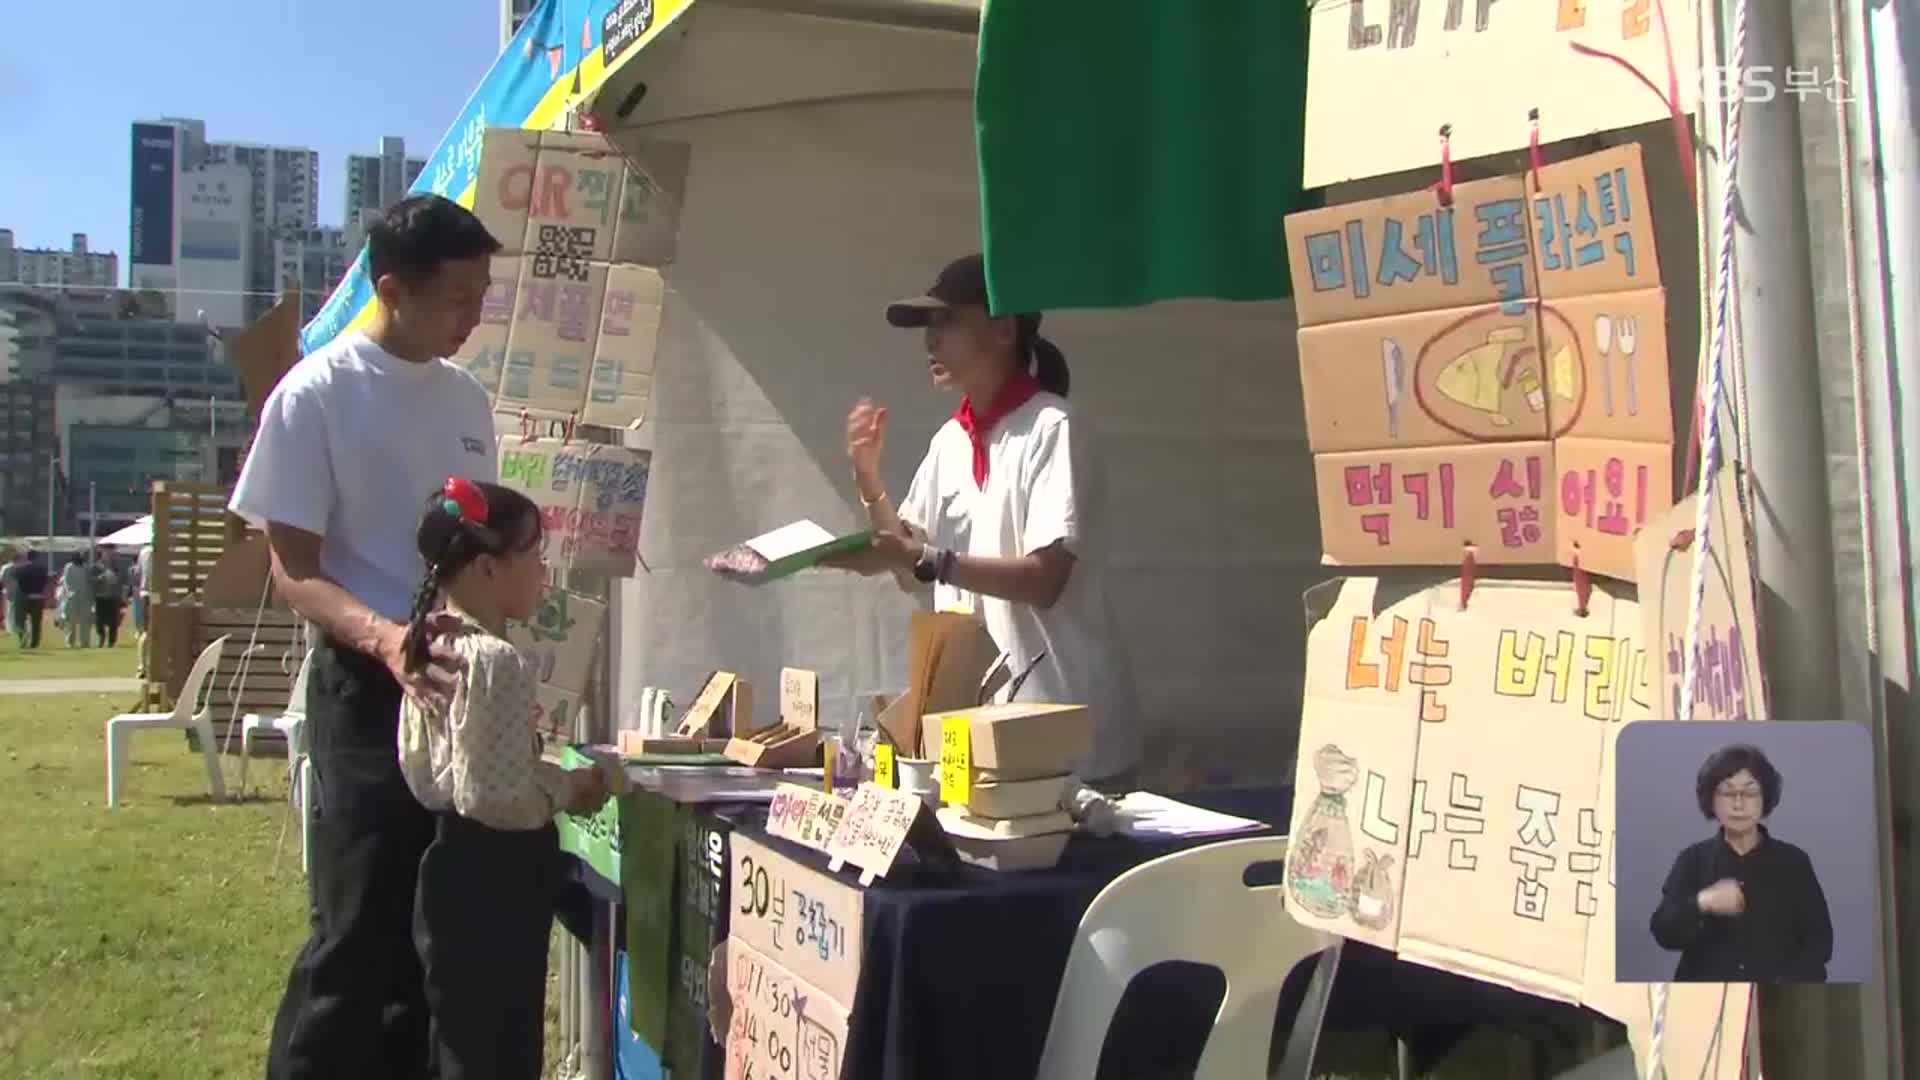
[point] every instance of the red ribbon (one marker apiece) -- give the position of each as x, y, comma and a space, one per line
467, 497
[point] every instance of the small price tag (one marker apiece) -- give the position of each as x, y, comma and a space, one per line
883, 764
956, 760
826, 764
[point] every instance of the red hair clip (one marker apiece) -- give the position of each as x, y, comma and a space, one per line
463, 499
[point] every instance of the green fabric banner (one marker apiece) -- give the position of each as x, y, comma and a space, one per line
1139, 150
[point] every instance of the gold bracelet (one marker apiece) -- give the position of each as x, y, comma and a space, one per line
873, 502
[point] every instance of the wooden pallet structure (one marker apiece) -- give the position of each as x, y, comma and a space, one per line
211, 578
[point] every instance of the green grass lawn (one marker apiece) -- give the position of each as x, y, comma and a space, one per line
53, 660
150, 942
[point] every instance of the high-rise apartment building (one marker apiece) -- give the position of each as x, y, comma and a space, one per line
376, 181
57, 269
512, 14
315, 260
203, 212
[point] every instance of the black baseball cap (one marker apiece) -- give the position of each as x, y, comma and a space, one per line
962, 283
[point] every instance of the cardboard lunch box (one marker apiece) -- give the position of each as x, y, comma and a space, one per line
1018, 741
1029, 843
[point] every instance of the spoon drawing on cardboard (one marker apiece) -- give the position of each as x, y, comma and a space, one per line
1321, 876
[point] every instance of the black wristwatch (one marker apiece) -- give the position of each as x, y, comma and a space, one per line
927, 570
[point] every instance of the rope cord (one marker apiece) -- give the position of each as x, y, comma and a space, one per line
1709, 447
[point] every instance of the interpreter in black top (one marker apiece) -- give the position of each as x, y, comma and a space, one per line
1743, 906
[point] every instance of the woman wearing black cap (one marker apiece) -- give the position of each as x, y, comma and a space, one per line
1006, 515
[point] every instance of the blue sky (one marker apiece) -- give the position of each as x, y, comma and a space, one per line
332, 76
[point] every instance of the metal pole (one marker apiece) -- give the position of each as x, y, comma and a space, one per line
93, 516
1805, 1031
52, 464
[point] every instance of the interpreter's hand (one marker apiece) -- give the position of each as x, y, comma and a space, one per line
586, 791
432, 685
1723, 897
866, 436
890, 552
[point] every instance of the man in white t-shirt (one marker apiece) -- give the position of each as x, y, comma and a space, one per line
351, 442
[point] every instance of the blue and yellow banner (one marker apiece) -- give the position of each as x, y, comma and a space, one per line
563, 54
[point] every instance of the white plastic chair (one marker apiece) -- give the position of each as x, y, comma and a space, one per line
288, 724
1192, 906
189, 713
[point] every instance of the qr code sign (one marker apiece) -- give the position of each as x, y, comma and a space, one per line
563, 251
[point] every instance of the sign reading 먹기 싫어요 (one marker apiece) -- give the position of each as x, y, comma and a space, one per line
590, 498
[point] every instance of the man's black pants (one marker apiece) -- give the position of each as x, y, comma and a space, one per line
32, 611
355, 1005
106, 622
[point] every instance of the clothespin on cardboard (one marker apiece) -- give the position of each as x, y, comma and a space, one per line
1533, 144
1682, 540
1444, 187
566, 434
1468, 564
1582, 584
526, 427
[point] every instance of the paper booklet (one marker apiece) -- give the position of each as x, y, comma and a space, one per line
786, 550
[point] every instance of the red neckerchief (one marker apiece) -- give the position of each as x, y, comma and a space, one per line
978, 426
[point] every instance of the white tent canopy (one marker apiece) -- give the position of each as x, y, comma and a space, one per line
138, 534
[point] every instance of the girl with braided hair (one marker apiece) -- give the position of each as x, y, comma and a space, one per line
491, 879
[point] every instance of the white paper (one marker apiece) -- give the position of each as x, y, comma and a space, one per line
789, 540
1156, 817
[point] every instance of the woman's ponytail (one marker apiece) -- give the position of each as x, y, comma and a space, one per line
1048, 362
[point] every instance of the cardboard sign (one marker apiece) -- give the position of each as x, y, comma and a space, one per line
1550, 327
567, 198
805, 816
570, 325
698, 721
805, 920
590, 496
1606, 366
560, 639
1444, 377
1450, 773
1373, 67
1407, 253
1608, 491
782, 1028
556, 712
1728, 665
874, 830
1400, 507
799, 697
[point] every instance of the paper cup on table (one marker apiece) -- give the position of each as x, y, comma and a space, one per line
919, 776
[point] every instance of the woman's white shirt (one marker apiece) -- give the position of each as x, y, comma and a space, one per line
1045, 485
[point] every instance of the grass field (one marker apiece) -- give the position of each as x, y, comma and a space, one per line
53, 660
150, 942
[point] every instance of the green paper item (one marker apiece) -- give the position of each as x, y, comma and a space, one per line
783, 552
650, 828
596, 840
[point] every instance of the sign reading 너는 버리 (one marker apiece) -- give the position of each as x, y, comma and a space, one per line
1727, 663
1449, 773
1487, 331
590, 498
1588, 66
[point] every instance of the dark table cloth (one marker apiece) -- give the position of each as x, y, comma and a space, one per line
959, 980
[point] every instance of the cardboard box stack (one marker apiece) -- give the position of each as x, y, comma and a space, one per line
569, 329
1489, 370
1003, 784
